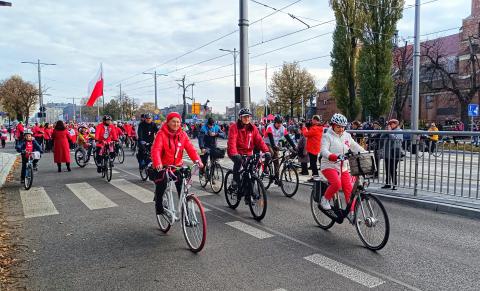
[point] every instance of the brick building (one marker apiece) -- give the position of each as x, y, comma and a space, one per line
435, 105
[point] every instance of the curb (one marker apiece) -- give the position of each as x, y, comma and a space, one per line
6, 167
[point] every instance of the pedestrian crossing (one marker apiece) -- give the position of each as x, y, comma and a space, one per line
37, 203
90, 196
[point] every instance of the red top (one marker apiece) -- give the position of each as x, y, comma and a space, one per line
314, 138
105, 133
168, 146
242, 141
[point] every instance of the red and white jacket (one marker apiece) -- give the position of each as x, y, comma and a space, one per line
242, 139
105, 134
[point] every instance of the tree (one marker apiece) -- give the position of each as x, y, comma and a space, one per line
289, 85
18, 97
402, 77
113, 109
349, 18
89, 113
146, 107
184, 97
375, 80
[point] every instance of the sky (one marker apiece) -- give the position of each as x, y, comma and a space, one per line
132, 37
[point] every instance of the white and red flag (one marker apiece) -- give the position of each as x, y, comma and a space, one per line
95, 87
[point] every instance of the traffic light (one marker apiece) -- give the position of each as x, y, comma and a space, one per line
43, 109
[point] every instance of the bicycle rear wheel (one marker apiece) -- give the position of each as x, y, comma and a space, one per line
80, 158
258, 200
289, 181
230, 194
371, 222
265, 176
121, 155
162, 219
27, 184
108, 169
323, 221
194, 224
216, 178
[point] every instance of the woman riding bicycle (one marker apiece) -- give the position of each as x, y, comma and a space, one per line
167, 150
335, 144
104, 134
27, 147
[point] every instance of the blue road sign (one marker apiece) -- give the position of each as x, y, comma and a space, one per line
194, 116
156, 117
473, 110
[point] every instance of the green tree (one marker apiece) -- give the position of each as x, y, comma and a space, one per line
18, 97
375, 60
349, 20
288, 86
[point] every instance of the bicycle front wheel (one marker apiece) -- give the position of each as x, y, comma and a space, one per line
28, 177
258, 200
320, 218
108, 169
230, 193
371, 222
194, 224
80, 158
144, 173
121, 155
216, 178
289, 181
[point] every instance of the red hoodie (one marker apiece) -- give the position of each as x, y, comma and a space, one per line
167, 149
243, 139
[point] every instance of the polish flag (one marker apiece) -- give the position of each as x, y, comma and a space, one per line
95, 87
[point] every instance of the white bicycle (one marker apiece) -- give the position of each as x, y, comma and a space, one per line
190, 210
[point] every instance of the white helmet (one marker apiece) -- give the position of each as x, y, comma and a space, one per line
339, 119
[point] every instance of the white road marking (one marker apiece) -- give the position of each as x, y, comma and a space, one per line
202, 193
345, 271
115, 172
36, 203
258, 233
133, 190
280, 289
92, 198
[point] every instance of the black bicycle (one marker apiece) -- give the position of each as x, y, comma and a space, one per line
369, 215
288, 180
213, 172
82, 154
120, 153
27, 184
250, 187
107, 157
144, 168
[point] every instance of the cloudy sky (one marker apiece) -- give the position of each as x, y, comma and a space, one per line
131, 37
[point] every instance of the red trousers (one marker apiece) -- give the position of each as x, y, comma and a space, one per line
338, 182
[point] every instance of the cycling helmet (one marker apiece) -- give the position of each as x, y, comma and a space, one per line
107, 117
339, 119
244, 112
27, 131
278, 119
147, 115
92, 130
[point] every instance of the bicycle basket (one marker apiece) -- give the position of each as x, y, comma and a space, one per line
362, 164
217, 153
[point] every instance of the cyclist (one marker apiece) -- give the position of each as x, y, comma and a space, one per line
207, 139
273, 134
167, 150
146, 134
243, 137
336, 142
432, 139
104, 133
28, 146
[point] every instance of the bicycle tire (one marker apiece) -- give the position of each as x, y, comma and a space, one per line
104, 168
109, 169
162, 221
230, 195
366, 220
197, 220
260, 201
216, 178
27, 184
323, 221
266, 179
203, 178
289, 177
80, 158
95, 155
121, 155
143, 173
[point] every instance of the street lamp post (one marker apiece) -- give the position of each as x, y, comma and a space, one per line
234, 52
243, 23
155, 74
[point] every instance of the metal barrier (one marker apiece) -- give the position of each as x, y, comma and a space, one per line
411, 160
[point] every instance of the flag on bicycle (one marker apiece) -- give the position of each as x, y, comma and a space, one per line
95, 87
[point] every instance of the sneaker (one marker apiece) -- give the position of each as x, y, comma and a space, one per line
325, 204
99, 169
386, 187
394, 188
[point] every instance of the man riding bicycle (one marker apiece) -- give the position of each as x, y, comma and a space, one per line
146, 134
104, 134
273, 134
335, 144
243, 137
28, 146
207, 139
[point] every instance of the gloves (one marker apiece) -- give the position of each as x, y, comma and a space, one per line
332, 157
268, 155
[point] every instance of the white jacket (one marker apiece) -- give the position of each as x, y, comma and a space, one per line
333, 143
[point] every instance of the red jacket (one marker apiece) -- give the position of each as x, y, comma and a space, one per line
47, 133
119, 131
99, 134
37, 131
314, 138
243, 139
167, 148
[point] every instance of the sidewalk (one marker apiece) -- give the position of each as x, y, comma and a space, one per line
6, 163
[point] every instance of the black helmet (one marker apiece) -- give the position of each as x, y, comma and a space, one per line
244, 111
210, 121
147, 115
278, 119
107, 117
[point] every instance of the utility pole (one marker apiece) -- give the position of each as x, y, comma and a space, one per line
184, 88
155, 74
121, 104
243, 23
416, 91
40, 93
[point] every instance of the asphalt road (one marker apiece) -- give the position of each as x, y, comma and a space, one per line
70, 245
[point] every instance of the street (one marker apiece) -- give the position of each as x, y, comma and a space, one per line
104, 236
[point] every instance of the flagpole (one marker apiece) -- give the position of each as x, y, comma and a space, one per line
266, 90
103, 97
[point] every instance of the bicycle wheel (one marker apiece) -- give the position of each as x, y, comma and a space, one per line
371, 222
121, 155
28, 177
95, 159
109, 169
265, 177
162, 220
194, 224
80, 158
230, 194
104, 167
216, 178
323, 221
258, 200
203, 177
144, 173
289, 181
